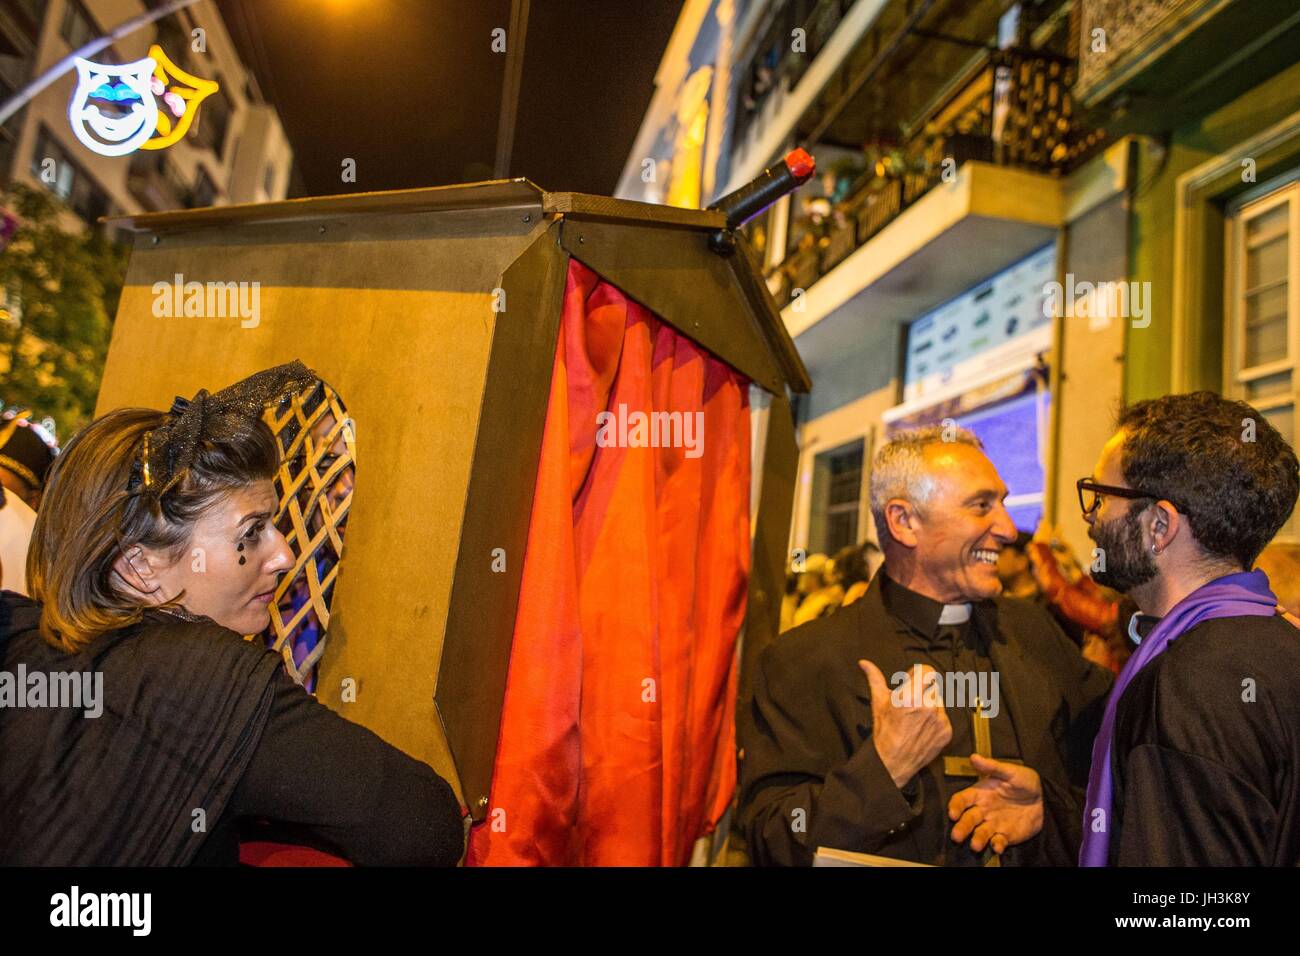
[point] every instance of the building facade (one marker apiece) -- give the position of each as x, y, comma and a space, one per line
235, 151
1026, 214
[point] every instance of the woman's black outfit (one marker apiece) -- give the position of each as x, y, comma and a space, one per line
199, 731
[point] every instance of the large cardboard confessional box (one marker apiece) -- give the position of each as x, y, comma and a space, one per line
396, 301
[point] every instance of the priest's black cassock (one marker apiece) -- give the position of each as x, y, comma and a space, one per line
811, 777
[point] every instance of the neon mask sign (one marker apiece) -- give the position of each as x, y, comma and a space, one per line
148, 104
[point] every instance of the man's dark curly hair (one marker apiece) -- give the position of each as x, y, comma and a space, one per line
1193, 450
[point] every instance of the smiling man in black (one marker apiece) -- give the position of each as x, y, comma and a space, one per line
854, 714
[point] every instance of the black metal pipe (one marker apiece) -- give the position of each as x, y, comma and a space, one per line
752, 198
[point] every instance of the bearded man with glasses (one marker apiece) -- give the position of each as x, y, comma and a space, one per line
1197, 762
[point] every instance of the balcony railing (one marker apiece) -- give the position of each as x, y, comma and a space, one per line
1117, 36
1015, 110
775, 64
152, 182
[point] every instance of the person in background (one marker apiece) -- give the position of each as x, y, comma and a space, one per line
826, 584
1040, 568
1014, 571
16, 523
25, 459
807, 577
857, 561
26, 453
823, 600
789, 601
1281, 562
1089, 613
1080, 605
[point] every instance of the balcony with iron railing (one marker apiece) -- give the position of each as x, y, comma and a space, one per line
1152, 65
795, 33
1013, 108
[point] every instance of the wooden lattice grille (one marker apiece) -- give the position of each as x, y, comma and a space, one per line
317, 444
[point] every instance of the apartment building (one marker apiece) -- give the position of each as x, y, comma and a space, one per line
235, 151
1025, 214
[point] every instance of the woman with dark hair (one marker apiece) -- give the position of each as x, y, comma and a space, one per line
158, 728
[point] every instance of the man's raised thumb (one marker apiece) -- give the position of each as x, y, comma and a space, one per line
879, 689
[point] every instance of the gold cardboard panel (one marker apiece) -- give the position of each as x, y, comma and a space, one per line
396, 314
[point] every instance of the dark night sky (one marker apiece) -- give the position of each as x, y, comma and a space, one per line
411, 89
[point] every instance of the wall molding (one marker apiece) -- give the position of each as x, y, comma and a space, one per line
1194, 193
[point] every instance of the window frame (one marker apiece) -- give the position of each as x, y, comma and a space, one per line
77, 9
1236, 221
81, 184
1237, 379
852, 508
828, 433
203, 178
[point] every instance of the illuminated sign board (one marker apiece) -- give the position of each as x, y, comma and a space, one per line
118, 108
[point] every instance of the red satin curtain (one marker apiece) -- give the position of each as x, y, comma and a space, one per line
617, 736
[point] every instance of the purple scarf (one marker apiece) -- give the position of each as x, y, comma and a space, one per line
1244, 594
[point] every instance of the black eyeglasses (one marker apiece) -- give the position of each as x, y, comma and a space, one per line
1091, 492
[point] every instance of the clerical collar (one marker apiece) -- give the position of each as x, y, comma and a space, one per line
1140, 625
922, 614
954, 614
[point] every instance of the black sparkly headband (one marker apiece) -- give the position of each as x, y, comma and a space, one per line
169, 449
